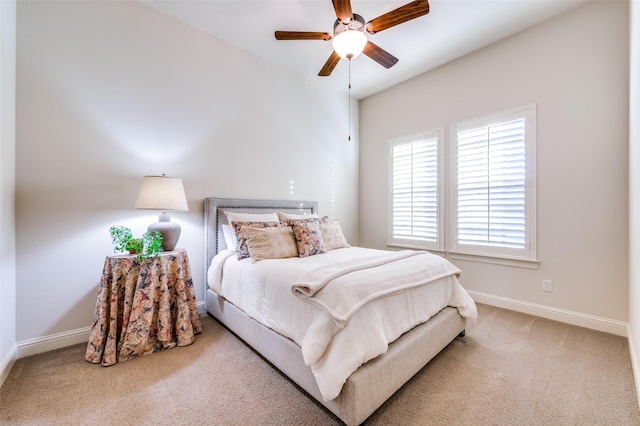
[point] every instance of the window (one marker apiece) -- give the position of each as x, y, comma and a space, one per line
490, 177
415, 207
492, 202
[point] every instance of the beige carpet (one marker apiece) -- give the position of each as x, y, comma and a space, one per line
510, 369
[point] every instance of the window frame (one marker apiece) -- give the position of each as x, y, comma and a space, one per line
447, 196
529, 251
438, 245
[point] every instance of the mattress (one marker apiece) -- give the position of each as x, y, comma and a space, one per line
334, 349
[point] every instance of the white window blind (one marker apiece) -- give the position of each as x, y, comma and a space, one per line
491, 202
489, 177
415, 191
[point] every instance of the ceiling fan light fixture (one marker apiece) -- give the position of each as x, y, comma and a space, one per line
349, 44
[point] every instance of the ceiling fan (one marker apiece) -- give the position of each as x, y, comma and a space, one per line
349, 38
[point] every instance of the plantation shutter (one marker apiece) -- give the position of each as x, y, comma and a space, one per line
491, 169
415, 192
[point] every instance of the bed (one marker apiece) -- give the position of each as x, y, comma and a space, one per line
375, 380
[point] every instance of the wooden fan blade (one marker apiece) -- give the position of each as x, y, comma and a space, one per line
302, 35
379, 55
405, 13
329, 65
343, 10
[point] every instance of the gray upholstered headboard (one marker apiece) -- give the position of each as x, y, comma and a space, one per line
214, 216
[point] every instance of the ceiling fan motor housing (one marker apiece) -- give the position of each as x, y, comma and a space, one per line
355, 24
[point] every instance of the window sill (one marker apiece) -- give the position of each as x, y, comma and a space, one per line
494, 260
409, 246
504, 261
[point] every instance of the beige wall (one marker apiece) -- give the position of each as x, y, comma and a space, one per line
118, 90
634, 192
7, 182
576, 69
110, 91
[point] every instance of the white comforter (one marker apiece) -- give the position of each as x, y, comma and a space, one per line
303, 299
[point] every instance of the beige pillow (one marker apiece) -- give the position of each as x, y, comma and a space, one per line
287, 216
332, 234
251, 217
241, 227
270, 243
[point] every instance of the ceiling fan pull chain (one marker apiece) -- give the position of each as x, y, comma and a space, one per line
349, 138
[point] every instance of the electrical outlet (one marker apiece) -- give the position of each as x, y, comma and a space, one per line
547, 285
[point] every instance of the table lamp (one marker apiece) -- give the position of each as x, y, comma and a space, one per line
163, 193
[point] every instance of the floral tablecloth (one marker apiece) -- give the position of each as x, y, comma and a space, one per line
143, 307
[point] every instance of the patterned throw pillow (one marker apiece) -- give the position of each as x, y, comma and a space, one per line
332, 234
294, 222
271, 243
309, 238
243, 250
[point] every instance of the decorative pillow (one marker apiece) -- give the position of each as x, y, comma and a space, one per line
293, 222
332, 234
309, 238
270, 243
230, 238
286, 216
251, 217
238, 227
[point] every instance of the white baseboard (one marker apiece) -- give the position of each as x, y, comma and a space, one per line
7, 363
635, 366
575, 318
61, 340
202, 309
53, 341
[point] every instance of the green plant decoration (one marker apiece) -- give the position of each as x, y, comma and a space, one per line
152, 243
120, 237
148, 245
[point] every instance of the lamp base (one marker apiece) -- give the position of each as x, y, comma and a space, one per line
170, 231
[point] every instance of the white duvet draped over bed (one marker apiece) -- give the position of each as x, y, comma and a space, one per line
343, 307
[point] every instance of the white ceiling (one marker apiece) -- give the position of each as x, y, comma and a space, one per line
452, 28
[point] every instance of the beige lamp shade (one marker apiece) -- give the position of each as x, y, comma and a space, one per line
163, 193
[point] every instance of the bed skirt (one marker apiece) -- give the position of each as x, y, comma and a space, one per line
369, 386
